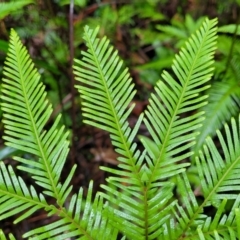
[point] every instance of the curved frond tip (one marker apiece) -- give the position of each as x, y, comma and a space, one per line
25, 113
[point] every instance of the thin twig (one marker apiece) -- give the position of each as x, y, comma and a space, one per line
71, 47
234, 38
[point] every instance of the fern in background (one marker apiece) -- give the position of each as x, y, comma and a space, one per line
224, 95
138, 200
10, 7
224, 102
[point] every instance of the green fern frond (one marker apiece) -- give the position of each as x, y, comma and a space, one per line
107, 97
222, 226
80, 219
220, 181
190, 218
219, 175
172, 134
25, 112
9, 7
15, 197
107, 93
224, 101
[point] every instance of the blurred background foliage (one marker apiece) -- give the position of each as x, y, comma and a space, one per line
147, 34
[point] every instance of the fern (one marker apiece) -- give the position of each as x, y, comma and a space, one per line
138, 200
26, 111
223, 104
9, 7
106, 101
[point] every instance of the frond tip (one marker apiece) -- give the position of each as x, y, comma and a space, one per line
173, 134
109, 89
26, 112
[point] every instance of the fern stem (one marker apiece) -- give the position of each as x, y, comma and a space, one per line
146, 209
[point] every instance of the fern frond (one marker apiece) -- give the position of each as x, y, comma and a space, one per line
25, 112
219, 175
170, 116
15, 197
190, 217
223, 103
107, 92
10, 7
79, 219
222, 226
107, 96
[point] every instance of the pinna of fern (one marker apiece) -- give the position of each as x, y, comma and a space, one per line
25, 112
3, 236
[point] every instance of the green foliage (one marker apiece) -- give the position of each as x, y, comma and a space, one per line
149, 195
231, 28
81, 3
224, 93
26, 112
7, 8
